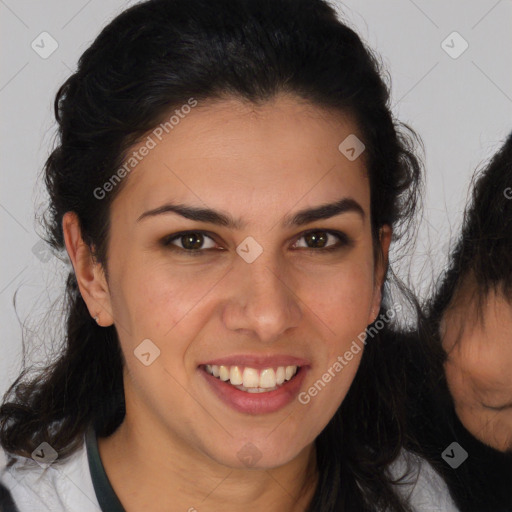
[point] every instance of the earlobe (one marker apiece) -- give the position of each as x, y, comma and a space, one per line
89, 273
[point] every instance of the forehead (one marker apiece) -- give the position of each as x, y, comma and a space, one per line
477, 335
229, 152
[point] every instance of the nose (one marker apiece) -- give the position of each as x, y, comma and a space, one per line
263, 302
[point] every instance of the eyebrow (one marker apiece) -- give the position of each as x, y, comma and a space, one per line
301, 218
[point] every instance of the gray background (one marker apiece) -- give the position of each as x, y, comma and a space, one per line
461, 107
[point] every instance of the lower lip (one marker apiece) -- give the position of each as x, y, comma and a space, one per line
256, 403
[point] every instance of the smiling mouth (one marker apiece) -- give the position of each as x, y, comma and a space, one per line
252, 380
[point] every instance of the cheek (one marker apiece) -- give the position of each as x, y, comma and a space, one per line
344, 300
479, 363
342, 303
160, 305
459, 384
503, 431
156, 297
490, 427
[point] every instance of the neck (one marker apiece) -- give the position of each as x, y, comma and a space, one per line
172, 472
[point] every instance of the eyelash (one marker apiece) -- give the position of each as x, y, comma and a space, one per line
344, 241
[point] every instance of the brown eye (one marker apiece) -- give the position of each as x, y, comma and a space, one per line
321, 240
189, 241
192, 241
316, 239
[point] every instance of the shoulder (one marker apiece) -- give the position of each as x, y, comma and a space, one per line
59, 486
420, 484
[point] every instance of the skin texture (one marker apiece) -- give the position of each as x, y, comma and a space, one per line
478, 366
257, 163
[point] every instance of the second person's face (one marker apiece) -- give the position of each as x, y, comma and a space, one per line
478, 368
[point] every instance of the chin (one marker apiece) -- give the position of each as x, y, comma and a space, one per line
256, 455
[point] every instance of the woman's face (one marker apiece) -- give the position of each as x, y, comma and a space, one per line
478, 368
255, 294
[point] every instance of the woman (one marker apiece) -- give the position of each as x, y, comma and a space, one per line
471, 318
226, 186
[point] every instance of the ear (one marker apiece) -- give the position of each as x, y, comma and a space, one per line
89, 273
381, 265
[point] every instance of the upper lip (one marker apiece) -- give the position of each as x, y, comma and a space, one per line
258, 361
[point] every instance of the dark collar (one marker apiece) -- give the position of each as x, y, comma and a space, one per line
107, 498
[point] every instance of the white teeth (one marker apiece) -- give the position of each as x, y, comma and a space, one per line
235, 376
255, 390
290, 372
268, 378
252, 380
224, 373
280, 375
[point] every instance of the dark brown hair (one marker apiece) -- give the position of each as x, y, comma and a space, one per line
150, 59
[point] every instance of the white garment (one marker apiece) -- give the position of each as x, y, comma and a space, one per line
67, 486
61, 487
424, 488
